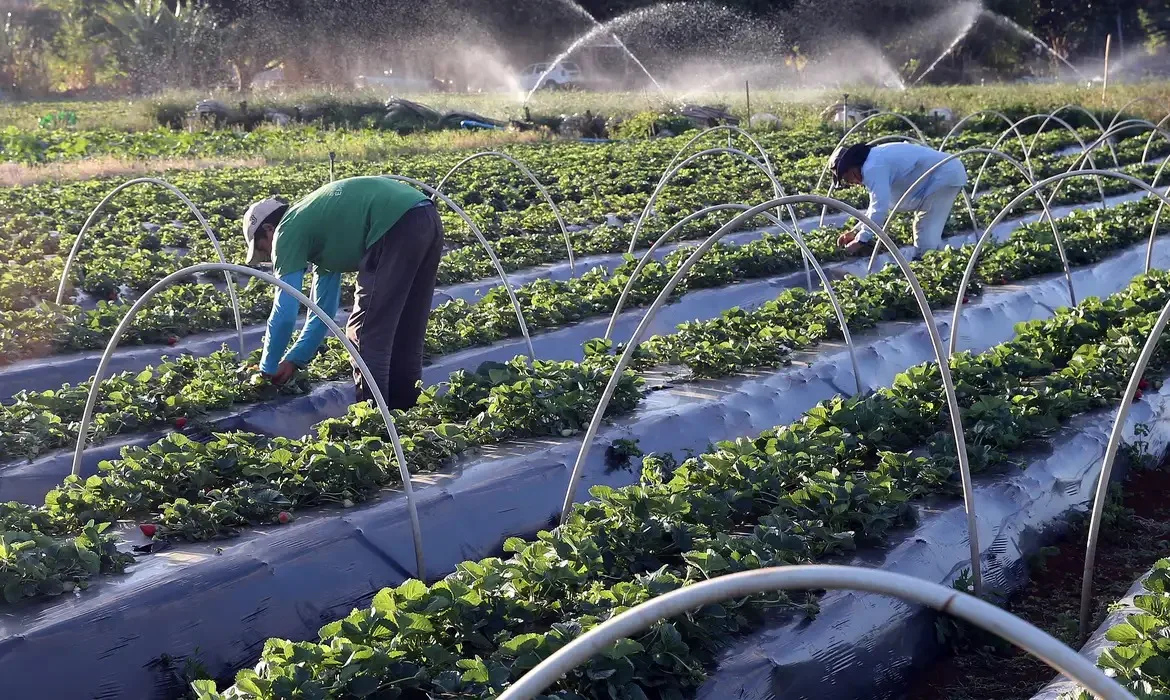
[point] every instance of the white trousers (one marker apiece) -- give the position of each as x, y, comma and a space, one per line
932, 218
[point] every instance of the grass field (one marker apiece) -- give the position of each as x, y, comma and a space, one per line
791, 105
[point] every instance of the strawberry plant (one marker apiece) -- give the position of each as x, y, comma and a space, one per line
840, 478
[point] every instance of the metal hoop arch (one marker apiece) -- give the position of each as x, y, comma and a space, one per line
825, 168
732, 130
670, 174
1082, 110
1150, 138
815, 577
103, 364
1128, 124
955, 318
889, 138
1111, 448
483, 241
1003, 117
1157, 215
231, 287
527, 172
858, 125
796, 237
923, 307
1027, 176
1058, 120
1143, 98
674, 171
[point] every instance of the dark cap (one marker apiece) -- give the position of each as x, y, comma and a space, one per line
845, 158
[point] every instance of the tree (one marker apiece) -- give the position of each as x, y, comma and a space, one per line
158, 47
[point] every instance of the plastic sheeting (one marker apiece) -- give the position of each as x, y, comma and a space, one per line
51, 372
1096, 642
288, 581
865, 646
294, 417
28, 482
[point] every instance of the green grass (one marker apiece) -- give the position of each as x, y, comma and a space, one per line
790, 105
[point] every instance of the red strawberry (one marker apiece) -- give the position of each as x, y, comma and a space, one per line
1003, 280
181, 422
1143, 384
112, 296
172, 340
966, 299
285, 517
1137, 395
148, 529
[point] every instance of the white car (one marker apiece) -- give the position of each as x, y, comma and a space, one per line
561, 75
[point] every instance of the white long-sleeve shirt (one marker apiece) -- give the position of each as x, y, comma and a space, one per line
892, 168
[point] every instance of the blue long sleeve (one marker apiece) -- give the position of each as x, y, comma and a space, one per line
327, 294
281, 323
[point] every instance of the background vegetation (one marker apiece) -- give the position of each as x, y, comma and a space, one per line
134, 47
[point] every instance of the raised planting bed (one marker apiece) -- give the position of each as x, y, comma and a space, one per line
862, 646
560, 343
851, 473
28, 482
1126, 645
285, 582
226, 193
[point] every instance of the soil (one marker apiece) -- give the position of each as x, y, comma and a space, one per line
1134, 535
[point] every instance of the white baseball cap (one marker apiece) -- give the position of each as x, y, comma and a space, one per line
257, 214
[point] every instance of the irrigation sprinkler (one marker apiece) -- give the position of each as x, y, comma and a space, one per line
527, 172
957, 315
231, 287
796, 237
103, 365
670, 174
1068, 127
1082, 110
630, 623
1003, 117
1111, 448
923, 307
971, 211
483, 241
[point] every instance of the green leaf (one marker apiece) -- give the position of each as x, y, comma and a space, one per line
411, 589
384, 602
623, 648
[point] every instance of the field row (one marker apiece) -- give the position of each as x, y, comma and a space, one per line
107, 272
188, 488
842, 477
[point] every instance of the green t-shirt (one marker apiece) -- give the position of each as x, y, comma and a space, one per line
333, 227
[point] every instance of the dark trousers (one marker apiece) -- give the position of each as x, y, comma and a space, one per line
392, 304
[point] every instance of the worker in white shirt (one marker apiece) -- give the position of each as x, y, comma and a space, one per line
888, 171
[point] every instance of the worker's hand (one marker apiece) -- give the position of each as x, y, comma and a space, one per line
847, 238
284, 372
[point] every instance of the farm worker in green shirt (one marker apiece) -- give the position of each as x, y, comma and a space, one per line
389, 234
